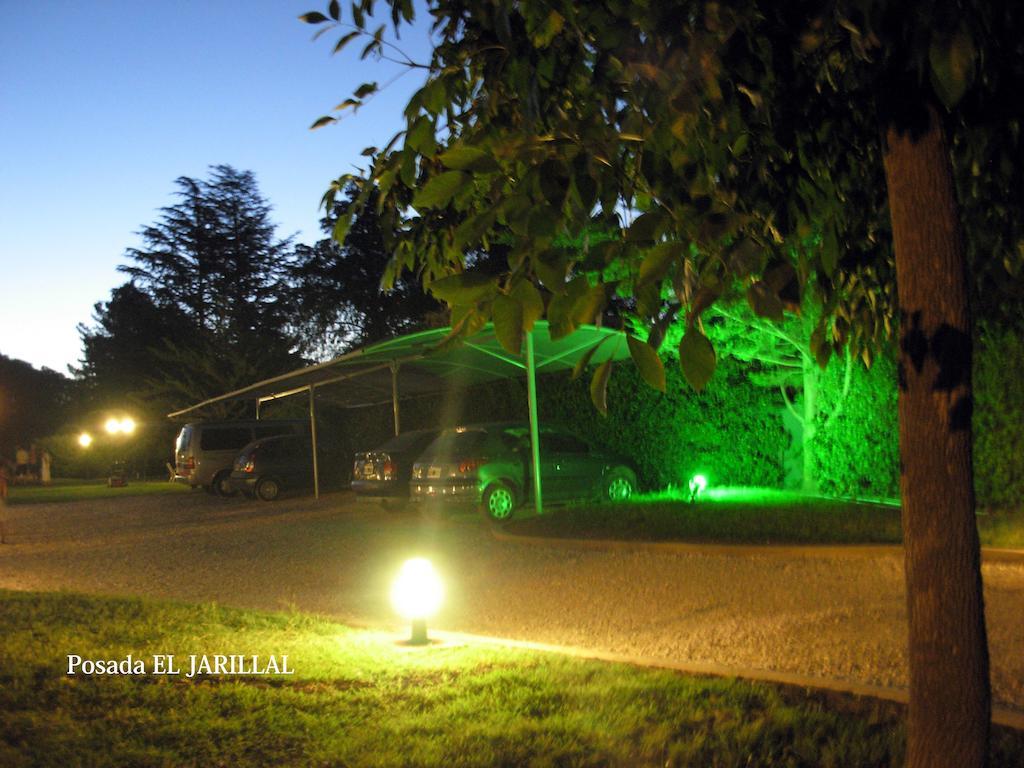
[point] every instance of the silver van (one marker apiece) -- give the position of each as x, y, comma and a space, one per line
205, 450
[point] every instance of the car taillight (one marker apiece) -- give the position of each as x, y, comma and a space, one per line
389, 469
249, 466
469, 465
190, 463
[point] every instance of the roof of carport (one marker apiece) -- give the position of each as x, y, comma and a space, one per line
427, 365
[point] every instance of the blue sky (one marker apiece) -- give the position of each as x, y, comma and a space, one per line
104, 104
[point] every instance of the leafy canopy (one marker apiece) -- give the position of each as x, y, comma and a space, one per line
730, 149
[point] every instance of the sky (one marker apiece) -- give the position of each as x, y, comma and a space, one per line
104, 103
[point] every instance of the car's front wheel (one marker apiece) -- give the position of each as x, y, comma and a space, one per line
268, 489
619, 485
499, 501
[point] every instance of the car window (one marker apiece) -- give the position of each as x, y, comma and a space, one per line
409, 441
457, 443
562, 443
269, 430
224, 438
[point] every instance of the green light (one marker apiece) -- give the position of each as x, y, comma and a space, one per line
697, 485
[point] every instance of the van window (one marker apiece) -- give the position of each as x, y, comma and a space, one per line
270, 430
224, 438
184, 438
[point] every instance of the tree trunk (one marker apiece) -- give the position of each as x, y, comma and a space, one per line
949, 714
809, 480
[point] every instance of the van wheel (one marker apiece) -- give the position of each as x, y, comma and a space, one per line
499, 502
222, 484
268, 489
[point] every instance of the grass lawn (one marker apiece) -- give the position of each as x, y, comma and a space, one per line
84, 490
737, 516
361, 698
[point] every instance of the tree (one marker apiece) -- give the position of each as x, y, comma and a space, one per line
33, 403
338, 291
716, 139
214, 258
780, 353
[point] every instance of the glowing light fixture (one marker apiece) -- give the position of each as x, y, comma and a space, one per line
115, 425
416, 596
85, 439
697, 485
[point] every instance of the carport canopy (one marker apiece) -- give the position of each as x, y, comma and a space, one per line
428, 362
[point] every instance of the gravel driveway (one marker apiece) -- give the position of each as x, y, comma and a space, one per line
825, 617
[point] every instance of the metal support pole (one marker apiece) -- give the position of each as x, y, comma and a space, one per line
531, 393
258, 403
394, 394
312, 431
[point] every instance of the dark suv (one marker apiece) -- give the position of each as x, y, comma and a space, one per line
490, 465
266, 468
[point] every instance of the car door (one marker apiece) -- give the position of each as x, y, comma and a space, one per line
573, 465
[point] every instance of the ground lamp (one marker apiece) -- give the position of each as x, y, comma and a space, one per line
697, 485
416, 596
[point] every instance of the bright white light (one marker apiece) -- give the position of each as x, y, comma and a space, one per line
127, 425
85, 439
697, 485
417, 591
113, 426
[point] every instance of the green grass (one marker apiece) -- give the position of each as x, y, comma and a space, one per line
361, 698
85, 490
748, 517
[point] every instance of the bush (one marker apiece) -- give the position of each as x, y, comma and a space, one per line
999, 419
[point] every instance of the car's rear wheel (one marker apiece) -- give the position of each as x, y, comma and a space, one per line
222, 484
499, 501
268, 489
619, 485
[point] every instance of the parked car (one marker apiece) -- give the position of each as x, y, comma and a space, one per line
205, 450
268, 467
383, 474
490, 465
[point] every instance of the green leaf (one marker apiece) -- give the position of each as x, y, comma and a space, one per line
439, 190
657, 262
313, 17
647, 361
464, 287
507, 314
341, 227
469, 159
599, 387
365, 90
764, 302
421, 136
321, 122
951, 57
583, 362
345, 40
334, 9
560, 317
532, 302
644, 228
697, 358
588, 307
745, 257
551, 269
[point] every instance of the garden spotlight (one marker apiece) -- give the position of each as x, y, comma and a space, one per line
697, 485
416, 596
